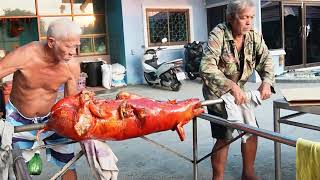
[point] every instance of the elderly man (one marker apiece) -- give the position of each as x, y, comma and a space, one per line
234, 52
40, 68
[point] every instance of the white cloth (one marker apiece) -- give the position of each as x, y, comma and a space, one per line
6, 161
243, 113
106, 75
101, 159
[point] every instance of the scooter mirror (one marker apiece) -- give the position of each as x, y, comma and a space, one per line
164, 40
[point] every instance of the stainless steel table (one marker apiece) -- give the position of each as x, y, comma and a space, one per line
195, 160
300, 110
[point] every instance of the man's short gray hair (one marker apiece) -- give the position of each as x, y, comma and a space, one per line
234, 6
63, 28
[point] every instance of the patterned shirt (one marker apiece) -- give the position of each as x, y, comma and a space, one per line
222, 63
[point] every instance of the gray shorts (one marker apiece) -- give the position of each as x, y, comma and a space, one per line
218, 131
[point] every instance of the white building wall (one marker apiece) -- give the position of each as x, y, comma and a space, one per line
135, 33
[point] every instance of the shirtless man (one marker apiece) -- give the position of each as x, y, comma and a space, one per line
40, 68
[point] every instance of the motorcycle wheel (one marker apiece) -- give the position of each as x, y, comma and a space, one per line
145, 77
191, 76
175, 86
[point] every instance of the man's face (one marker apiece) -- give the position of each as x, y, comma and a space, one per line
65, 49
242, 22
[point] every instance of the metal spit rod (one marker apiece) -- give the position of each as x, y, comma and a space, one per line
211, 102
29, 127
32, 127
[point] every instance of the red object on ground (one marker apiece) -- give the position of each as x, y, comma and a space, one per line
82, 117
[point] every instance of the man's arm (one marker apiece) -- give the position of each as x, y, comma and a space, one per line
14, 61
71, 86
264, 67
214, 79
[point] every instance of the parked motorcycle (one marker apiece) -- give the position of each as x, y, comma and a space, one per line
193, 54
168, 74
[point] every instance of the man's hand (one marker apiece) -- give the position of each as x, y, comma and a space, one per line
265, 90
238, 94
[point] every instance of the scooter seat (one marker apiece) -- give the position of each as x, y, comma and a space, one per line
153, 63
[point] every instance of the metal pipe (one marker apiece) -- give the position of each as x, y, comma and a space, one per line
293, 115
229, 142
195, 148
204, 157
50, 146
211, 102
308, 126
66, 166
277, 146
29, 127
165, 148
249, 129
19, 165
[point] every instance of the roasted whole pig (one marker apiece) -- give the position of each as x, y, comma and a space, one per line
82, 117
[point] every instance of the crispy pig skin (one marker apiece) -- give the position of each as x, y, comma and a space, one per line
82, 117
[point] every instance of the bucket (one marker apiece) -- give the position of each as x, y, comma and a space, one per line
93, 70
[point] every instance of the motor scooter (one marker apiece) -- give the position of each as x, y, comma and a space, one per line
168, 74
193, 54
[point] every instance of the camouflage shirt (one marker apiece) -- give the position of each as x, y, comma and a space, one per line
222, 63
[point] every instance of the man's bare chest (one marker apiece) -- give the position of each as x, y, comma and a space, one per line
50, 78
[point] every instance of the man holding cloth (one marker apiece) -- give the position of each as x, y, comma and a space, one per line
234, 51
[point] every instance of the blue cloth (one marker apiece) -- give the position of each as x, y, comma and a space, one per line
58, 155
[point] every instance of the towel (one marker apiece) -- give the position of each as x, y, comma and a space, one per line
101, 159
307, 160
243, 113
6, 161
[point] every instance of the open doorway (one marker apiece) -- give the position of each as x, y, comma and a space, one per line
215, 15
301, 34
292, 15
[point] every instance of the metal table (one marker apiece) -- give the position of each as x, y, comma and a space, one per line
300, 110
195, 159
271, 135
